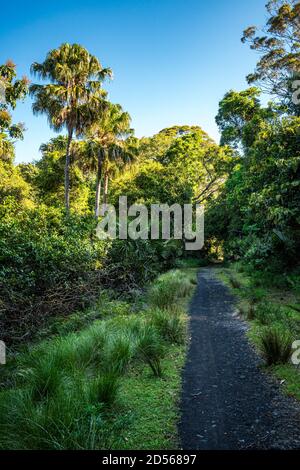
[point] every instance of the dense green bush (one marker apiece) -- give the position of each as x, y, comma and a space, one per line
48, 264
256, 217
52, 264
133, 263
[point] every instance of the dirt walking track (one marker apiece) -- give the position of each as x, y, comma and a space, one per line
228, 402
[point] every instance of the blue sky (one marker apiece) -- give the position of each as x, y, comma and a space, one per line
172, 60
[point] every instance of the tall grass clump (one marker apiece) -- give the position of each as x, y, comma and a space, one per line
276, 345
168, 288
118, 352
45, 377
68, 353
150, 348
169, 324
103, 389
267, 313
234, 282
67, 420
253, 296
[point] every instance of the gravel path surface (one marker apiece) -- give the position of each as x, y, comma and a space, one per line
228, 402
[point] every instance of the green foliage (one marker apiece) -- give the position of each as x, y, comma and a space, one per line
253, 294
15, 192
48, 179
47, 264
191, 167
192, 263
241, 117
155, 147
256, 217
150, 182
132, 263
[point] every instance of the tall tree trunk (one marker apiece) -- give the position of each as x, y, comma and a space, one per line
106, 177
67, 172
98, 183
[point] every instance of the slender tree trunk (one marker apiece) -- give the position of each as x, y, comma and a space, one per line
98, 183
67, 172
106, 177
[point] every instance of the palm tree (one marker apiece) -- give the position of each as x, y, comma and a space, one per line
107, 143
73, 95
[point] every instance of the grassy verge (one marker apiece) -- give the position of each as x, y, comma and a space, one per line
272, 312
107, 379
153, 405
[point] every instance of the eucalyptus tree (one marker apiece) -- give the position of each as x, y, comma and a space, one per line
278, 44
108, 145
72, 95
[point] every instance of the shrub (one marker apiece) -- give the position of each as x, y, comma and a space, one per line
251, 311
192, 263
253, 296
48, 267
247, 310
131, 263
276, 345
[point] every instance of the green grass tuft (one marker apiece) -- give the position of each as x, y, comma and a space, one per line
169, 288
151, 348
170, 325
104, 389
276, 345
